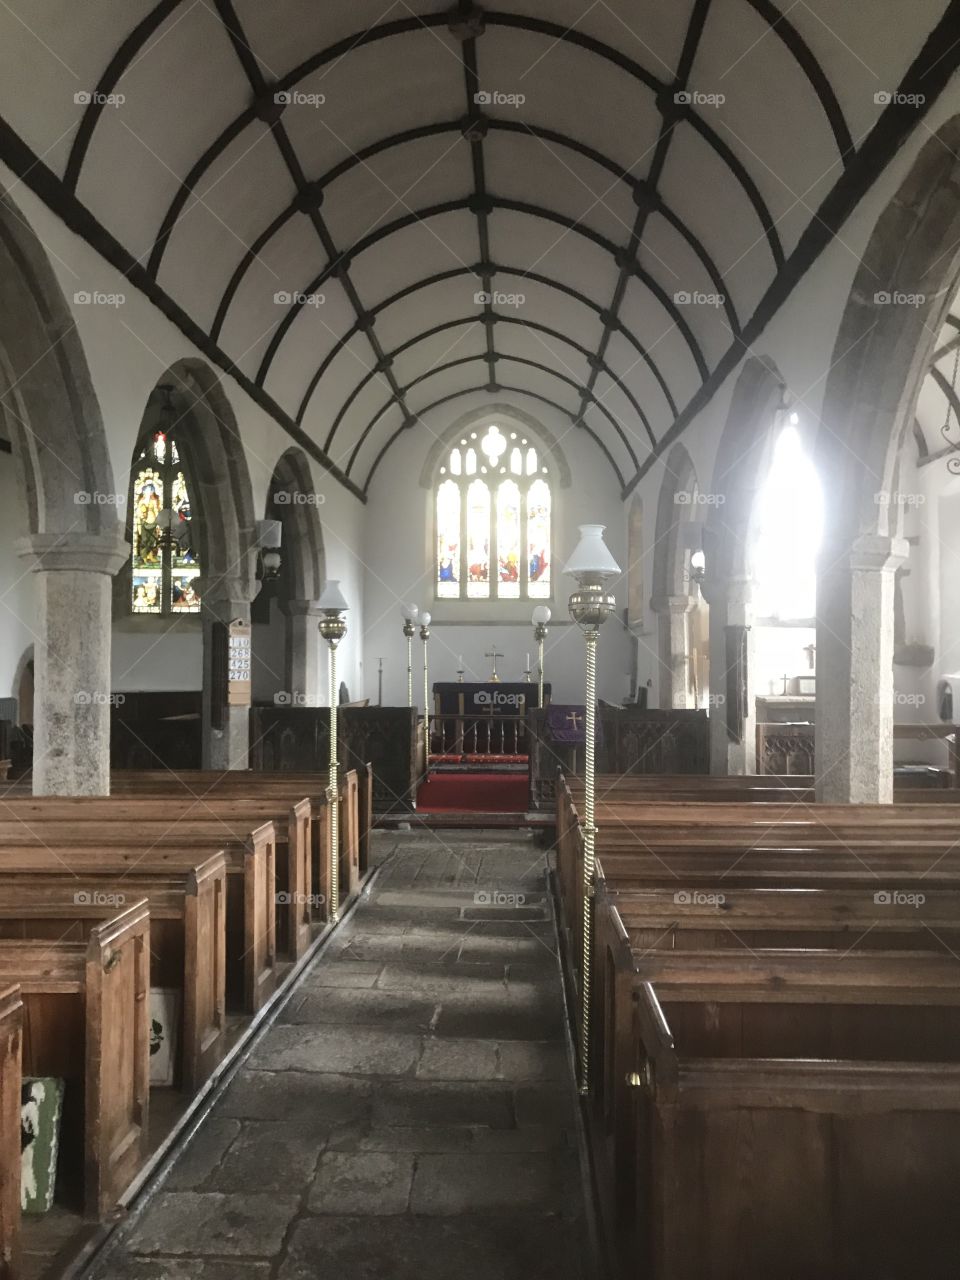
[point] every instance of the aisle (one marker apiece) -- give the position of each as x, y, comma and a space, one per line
411, 1114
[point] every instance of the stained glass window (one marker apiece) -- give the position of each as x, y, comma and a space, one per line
165, 565
493, 519
448, 540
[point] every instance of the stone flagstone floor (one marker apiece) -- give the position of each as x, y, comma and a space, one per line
411, 1114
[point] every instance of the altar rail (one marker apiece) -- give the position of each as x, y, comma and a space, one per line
456, 737
631, 740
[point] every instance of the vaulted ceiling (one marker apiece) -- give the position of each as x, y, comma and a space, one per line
364, 210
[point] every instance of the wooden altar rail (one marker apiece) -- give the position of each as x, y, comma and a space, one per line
787, 749
477, 735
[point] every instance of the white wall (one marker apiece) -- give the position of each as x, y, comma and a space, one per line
399, 558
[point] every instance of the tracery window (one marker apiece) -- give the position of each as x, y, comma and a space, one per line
165, 563
493, 520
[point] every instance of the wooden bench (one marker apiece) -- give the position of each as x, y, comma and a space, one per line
230, 820
11, 1050
754, 1153
90, 851
86, 1019
187, 937
356, 799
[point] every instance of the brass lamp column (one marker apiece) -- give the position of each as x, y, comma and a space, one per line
409, 614
425, 637
333, 627
541, 616
590, 605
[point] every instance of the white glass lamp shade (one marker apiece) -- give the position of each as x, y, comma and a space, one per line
331, 598
409, 612
424, 618
541, 615
591, 560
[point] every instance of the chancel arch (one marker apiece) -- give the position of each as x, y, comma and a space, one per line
881, 356
676, 592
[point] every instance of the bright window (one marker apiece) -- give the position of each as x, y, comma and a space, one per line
788, 526
493, 520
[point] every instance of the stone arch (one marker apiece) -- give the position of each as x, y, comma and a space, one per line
740, 465
56, 428
291, 598
674, 590
881, 355
226, 527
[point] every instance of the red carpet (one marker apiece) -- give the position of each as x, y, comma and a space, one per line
474, 793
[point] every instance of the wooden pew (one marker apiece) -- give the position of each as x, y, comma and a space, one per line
86, 1018
11, 1050
187, 937
756, 1154
84, 850
356, 798
229, 820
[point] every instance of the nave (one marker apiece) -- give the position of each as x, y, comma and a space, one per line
411, 1112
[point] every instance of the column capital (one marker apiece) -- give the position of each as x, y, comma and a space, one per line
878, 552
301, 609
737, 590
672, 604
75, 552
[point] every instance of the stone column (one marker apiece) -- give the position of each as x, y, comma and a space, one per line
302, 667
226, 744
855, 642
733, 703
72, 698
674, 648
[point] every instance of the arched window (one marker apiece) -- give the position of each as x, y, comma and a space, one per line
165, 562
788, 523
493, 520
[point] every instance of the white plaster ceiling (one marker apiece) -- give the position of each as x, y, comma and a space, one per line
200, 184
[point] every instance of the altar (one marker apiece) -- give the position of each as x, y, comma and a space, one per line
479, 721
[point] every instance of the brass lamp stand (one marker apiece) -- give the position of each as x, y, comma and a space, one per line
590, 605
333, 627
